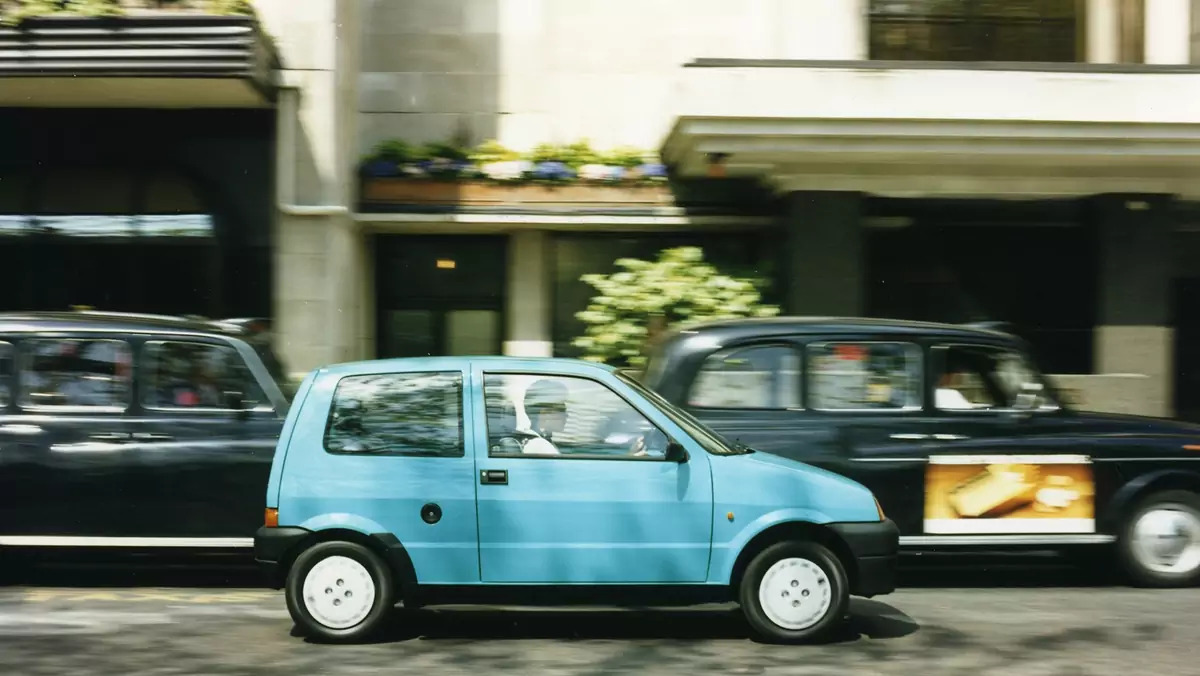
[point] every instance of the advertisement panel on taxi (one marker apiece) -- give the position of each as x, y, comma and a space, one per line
1009, 494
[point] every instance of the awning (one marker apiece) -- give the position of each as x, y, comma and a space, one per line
167, 61
935, 130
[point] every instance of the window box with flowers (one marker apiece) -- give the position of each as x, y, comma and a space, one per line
440, 174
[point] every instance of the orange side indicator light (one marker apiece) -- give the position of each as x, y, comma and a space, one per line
271, 518
729, 516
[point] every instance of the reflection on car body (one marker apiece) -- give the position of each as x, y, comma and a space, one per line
954, 428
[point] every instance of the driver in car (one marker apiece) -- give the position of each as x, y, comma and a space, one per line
546, 405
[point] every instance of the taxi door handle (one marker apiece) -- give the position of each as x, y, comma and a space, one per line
110, 437
494, 476
950, 437
910, 437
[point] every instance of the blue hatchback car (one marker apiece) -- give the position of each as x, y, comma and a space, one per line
548, 482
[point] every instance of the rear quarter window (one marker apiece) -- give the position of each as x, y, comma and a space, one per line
406, 414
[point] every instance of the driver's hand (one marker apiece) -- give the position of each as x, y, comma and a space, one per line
639, 446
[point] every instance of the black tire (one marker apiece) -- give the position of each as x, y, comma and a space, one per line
1138, 573
813, 554
380, 577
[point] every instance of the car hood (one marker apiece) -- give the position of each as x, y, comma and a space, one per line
769, 481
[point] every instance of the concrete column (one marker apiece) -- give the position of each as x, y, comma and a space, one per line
528, 296
823, 249
1134, 335
320, 299
1168, 28
1103, 31
821, 29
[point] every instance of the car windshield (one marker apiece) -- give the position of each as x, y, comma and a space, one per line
709, 439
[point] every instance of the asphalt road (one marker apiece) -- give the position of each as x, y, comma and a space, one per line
1027, 619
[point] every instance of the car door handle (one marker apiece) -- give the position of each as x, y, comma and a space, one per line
949, 437
109, 437
910, 437
494, 476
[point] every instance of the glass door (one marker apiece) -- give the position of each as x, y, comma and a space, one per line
440, 295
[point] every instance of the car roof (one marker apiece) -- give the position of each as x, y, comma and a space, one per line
751, 327
32, 322
562, 364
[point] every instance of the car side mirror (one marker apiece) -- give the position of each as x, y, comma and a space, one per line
676, 452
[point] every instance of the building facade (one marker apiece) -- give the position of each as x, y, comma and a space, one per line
1032, 161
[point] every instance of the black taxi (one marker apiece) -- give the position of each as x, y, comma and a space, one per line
123, 430
964, 441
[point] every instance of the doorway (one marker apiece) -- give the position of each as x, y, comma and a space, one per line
440, 295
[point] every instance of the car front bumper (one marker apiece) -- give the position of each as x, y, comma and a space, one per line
875, 547
271, 546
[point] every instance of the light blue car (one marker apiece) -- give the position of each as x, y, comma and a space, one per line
548, 482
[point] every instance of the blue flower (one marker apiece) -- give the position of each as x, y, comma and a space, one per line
554, 171
653, 170
381, 169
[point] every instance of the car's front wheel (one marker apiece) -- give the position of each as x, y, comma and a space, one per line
794, 592
1160, 542
339, 592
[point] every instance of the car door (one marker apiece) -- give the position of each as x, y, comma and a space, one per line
999, 467
867, 391
575, 486
202, 435
62, 469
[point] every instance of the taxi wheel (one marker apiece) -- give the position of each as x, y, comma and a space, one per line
794, 592
339, 592
1159, 544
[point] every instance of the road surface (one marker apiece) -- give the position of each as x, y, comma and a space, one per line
1037, 623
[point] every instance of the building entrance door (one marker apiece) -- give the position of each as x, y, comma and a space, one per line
440, 294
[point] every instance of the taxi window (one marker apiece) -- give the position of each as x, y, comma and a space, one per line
75, 373
864, 376
414, 414
189, 375
6, 374
758, 377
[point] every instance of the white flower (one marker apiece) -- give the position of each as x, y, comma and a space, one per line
501, 171
595, 172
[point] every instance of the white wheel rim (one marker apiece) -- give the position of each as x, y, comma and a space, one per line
339, 592
795, 593
1166, 540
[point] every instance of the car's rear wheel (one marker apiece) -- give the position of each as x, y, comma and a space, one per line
794, 592
339, 592
1160, 542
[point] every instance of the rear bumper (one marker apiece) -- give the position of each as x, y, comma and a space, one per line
271, 547
875, 547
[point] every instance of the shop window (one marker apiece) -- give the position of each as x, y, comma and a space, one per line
762, 377
413, 414
974, 30
60, 372
864, 376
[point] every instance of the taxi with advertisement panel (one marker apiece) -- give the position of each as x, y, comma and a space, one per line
965, 442
534, 481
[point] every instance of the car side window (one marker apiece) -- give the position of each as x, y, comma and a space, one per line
191, 375
974, 377
864, 376
565, 416
6, 374
75, 373
756, 377
407, 414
